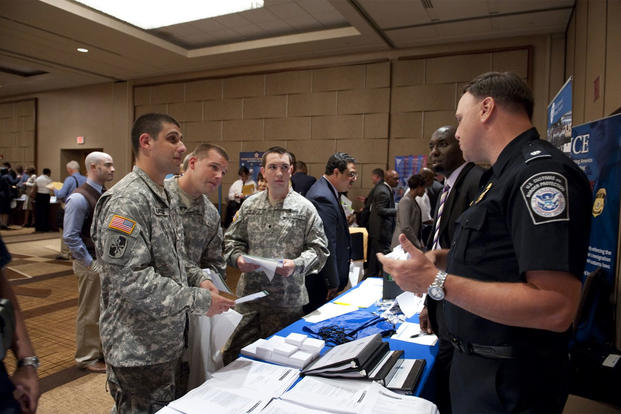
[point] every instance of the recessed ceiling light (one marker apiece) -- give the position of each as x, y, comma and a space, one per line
151, 14
82, 50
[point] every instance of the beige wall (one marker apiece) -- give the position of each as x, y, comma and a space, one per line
594, 55
374, 106
17, 132
100, 113
373, 111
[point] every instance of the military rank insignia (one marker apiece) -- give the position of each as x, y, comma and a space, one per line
122, 224
545, 195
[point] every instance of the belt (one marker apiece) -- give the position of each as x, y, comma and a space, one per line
486, 351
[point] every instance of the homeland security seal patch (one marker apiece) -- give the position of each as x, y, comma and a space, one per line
545, 195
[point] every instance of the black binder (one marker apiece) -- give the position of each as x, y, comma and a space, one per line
404, 375
384, 366
352, 359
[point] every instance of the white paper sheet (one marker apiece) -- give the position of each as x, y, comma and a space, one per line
251, 297
329, 395
327, 311
240, 387
383, 401
410, 332
369, 292
286, 407
267, 266
410, 304
217, 280
206, 339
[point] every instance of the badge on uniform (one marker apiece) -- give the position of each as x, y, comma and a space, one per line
117, 246
122, 224
546, 197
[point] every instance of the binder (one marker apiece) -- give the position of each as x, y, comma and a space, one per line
384, 366
352, 359
404, 375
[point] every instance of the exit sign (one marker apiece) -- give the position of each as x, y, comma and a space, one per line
79, 140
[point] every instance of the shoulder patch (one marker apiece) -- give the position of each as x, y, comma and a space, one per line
117, 246
533, 152
546, 197
123, 224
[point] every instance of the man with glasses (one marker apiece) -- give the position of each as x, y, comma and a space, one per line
339, 176
278, 224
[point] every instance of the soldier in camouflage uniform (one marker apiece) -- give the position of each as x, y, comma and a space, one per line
275, 223
206, 166
147, 287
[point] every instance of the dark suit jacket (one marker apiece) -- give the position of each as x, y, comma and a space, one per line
464, 191
326, 201
383, 212
434, 193
302, 182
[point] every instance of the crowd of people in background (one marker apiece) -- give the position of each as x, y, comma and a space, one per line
147, 239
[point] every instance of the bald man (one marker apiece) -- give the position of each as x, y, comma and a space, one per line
77, 235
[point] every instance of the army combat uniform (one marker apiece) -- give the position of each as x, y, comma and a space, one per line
201, 225
290, 230
147, 290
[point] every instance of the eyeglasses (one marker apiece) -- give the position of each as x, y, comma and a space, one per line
352, 174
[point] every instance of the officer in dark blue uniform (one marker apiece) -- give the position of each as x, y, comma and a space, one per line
512, 280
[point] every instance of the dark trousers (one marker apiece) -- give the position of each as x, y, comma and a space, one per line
317, 292
527, 384
8, 404
42, 212
376, 245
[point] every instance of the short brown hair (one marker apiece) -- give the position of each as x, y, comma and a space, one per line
275, 150
203, 149
506, 88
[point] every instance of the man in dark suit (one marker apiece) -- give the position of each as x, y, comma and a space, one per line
339, 176
362, 216
300, 181
461, 186
381, 221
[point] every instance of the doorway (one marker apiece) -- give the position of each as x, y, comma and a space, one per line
78, 155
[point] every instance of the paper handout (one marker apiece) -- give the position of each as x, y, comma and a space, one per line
251, 297
216, 279
267, 266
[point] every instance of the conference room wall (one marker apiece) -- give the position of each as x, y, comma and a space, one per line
374, 106
594, 59
373, 111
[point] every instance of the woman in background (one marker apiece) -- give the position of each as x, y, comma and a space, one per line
409, 214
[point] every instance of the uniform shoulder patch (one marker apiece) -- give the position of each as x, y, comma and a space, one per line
117, 246
123, 224
546, 197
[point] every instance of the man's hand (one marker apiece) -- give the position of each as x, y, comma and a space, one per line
219, 304
423, 320
27, 388
95, 266
245, 266
415, 274
332, 293
287, 268
208, 284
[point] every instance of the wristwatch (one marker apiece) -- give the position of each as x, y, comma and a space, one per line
32, 361
436, 289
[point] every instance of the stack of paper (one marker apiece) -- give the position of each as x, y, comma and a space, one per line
242, 386
296, 350
365, 295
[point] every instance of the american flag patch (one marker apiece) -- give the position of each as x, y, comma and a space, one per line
122, 224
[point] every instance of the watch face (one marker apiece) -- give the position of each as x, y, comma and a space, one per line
436, 293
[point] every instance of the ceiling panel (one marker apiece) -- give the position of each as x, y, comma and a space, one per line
45, 34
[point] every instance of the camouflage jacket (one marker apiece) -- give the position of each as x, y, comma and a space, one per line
146, 290
291, 230
201, 227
